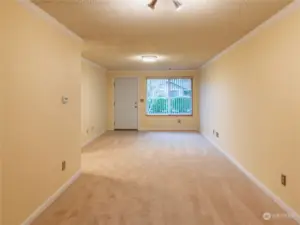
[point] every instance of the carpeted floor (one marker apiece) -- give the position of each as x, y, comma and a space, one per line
159, 178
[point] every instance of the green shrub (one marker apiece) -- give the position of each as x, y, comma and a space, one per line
181, 105
178, 105
158, 106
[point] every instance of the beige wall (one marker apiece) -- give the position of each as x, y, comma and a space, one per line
1, 115
155, 122
3, 19
251, 97
1, 119
41, 64
1, 129
93, 101
3, 67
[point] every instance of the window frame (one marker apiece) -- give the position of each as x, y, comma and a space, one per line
169, 78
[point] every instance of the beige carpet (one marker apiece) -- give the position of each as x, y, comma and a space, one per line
159, 178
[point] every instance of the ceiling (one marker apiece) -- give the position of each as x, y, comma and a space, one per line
119, 32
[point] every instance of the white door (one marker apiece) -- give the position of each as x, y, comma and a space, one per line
126, 103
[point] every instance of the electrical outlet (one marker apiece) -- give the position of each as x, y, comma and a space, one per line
63, 165
217, 134
283, 179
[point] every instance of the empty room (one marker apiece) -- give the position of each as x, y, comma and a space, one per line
149, 112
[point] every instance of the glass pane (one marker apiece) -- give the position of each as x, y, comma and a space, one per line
169, 96
180, 93
157, 97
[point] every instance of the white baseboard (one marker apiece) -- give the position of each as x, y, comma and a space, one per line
51, 199
289, 210
92, 139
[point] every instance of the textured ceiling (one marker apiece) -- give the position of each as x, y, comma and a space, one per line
118, 32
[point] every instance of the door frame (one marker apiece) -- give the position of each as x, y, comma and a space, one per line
138, 100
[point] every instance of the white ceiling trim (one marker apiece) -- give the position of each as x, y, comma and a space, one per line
290, 8
94, 64
31, 6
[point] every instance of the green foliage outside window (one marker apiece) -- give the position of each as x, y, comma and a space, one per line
178, 105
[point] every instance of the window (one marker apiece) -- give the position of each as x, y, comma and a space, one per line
169, 96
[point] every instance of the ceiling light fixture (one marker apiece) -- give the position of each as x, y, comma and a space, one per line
153, 3
177, 4
150, 58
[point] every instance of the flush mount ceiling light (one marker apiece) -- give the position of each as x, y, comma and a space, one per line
149, 58
153, 3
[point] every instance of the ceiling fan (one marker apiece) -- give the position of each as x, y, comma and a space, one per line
153, 3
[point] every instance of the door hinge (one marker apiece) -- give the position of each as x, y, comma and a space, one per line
114, 84
114, 103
